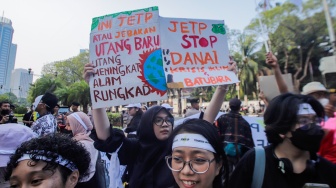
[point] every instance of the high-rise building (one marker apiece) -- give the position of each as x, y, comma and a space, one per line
20, 82
7, 53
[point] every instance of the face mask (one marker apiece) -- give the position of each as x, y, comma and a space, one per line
308, 137
324, 101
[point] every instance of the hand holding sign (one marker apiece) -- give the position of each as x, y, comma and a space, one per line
232, 65
271, 60
88, 72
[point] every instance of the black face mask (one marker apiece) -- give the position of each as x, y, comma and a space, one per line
308, 137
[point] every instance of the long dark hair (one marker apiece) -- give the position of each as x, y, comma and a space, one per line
210, 132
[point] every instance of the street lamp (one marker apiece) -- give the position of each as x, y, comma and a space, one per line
30, 73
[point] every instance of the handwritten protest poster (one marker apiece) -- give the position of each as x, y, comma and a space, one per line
125, 48
195, 52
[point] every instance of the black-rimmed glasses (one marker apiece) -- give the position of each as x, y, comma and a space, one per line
197, 165
159, 121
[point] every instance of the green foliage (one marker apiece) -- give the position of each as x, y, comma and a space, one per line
68, 86
19, 115
10, 97
294, 37
115, 118
20, 110
46, 83
70, 70
203, 92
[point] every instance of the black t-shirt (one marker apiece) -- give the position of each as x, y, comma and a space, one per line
322, 171
28, 117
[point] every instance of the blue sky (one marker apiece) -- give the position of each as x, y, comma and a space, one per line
53, 30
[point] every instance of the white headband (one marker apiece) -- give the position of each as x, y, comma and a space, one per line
60, 160
192, 140
305, 109
79, 120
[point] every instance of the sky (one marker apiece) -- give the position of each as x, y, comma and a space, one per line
53, 30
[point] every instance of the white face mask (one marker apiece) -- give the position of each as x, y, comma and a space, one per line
324, 101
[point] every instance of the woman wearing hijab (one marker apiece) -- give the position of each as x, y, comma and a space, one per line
80, 125
146, 153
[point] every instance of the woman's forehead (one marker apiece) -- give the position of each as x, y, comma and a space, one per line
162, 113
190, 150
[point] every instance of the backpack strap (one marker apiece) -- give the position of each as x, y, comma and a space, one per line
259, 167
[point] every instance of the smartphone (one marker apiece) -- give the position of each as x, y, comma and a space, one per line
315, 185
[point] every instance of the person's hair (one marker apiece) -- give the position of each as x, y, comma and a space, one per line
235, 108
51, 100
51, 146
75, 103
281, 114
210, 132
4, 102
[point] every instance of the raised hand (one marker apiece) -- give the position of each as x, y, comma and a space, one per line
329, 110
271, 60
88, 72
262, 96
232, 66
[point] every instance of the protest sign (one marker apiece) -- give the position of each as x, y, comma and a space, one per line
195, 52
256, 123
125, 48
270, 88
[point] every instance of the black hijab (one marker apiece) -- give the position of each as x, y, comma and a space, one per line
150, 169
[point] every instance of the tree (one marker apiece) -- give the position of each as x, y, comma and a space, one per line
80, 92
70, 70
10, 97
47, 83
247, 48
204, 93
295, 37
63, 95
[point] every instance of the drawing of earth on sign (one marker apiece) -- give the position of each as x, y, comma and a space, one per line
152, 73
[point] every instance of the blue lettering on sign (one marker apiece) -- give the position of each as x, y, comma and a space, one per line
260, 143
255, 126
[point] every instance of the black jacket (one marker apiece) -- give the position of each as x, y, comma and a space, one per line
320, 171
145, 153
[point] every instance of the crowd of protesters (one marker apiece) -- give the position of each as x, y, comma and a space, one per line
73, 149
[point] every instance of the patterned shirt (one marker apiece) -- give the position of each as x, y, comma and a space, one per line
46, 124
228, 133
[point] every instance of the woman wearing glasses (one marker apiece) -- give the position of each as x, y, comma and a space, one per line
198, 158
146, 154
